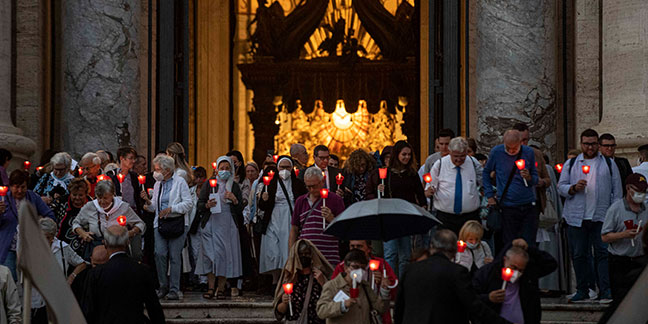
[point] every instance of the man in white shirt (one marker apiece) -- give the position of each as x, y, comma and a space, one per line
456, 179
642, 168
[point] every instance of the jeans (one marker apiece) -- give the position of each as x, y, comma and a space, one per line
581, 241
397, 253
10, 262
169, 250
520, 222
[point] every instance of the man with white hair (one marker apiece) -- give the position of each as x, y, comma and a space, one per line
91, 167
455, 186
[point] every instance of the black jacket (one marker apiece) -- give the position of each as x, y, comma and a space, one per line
438, 290
489, 278
136, 190
118, 290
624, 170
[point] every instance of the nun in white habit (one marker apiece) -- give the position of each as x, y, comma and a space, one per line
220, 255
278, 201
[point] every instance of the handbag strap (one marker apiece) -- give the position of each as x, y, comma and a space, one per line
368, 299
62, 257
510, 178
304, 311
310, 212
283, 188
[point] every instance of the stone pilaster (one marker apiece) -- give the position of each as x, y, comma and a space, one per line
515, 70
625, 74
11, 137
101, 89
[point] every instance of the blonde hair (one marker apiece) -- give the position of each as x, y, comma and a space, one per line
471, 228
180, 159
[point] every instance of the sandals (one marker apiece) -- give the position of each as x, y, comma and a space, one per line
220, 295
209, 294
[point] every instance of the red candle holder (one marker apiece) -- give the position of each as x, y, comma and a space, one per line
271, 174
275, 158
214, 166
559, 167
26, 165
80, 171
507, 274
374, 265
288, 288
39, 169
339, 179
120, 177
324, 193
266, 180
461, 246
296, 171
427, 178
629, 224
382, 172
101, 177
520, 164
121, 220
586, 169
3, 190
141, 179
213, 183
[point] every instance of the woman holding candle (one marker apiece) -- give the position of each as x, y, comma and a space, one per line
69, 211
357, 169
127, 183
277, 203
402, 182
59, 177
221, 211
9, 205
305, 267
99, 214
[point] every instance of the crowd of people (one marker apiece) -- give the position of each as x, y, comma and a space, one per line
249, 227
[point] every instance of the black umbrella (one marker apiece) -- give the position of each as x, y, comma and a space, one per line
381, 219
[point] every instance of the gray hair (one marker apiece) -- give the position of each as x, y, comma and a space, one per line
61, 158
458, 144
297, 148
314, 172
90, 157
515, 250
116, 237
104, 187
48, 226
444, 241
165, 162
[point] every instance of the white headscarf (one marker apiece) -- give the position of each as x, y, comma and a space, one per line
287, 182
230, 181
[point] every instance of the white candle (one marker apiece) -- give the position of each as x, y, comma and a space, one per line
290, 305
355, 284
373, 281
504, 285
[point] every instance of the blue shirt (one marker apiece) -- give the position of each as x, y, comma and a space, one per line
607, 189
502, 163
166, 190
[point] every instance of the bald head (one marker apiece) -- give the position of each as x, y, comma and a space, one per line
99, 255
512, 141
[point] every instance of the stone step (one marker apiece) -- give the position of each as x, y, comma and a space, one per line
211, 309
558, 313
221, 321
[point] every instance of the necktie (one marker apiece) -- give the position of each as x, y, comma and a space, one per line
458, 192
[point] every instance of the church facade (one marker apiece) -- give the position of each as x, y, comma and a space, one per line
257, 75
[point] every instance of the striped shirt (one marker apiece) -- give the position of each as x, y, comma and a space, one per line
312, 228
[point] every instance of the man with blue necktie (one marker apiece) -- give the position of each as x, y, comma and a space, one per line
456, 179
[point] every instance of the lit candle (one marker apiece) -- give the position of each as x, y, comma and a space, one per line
559, 167
324, 193
339, 178
520, 165
373, 266
296, 172
354, 286
275, 158
101, 177
271, 174
586, 169
26, 165
121, 220
39, 169
3, 192
288, 290
266, 182
461, 246
212, 184
382, 172
507, 273
214, 166
80, 171
427, 178
142, 180
120, 177
638, 229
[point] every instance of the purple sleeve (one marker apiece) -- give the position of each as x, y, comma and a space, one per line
41, 207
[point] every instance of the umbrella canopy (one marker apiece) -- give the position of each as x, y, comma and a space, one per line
381, 219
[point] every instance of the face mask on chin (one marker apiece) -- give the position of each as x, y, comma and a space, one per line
472, 246
516, 275
639, 197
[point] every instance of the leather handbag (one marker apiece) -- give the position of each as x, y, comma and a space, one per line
172, 226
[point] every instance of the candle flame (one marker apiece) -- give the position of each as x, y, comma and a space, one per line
121, 220
520, 164
213, 182
559, 167
214, 165
374, 264
427, 178
586, 169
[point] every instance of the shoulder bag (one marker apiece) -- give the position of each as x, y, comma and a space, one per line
374, 317
171, 226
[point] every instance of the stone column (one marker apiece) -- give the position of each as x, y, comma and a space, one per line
625, 74
515, 70
101, 86
11, 138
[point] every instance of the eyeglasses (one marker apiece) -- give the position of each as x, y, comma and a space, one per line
324, 157
312, 186
590, 144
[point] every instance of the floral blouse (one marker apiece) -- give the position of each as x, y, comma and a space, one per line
298, 296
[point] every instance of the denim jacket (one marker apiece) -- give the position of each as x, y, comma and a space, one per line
608, 190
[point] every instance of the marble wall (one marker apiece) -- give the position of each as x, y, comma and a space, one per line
515, 70
100, 61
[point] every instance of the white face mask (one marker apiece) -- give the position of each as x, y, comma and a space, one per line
284, 174
158, 176
360, 274
516, 275
639, 197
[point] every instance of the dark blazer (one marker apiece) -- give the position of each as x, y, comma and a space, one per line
136, 190
624, 170
118, 290
333, 172
438, 290
489, 278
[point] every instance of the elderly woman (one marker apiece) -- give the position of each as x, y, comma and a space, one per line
54, 184
307, 270
171, 200
17, 195
90, 166
97, 215
277, 202
66, 259
222, 219
357, 169
68, 212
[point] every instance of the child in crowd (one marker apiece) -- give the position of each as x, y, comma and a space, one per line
477, 252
